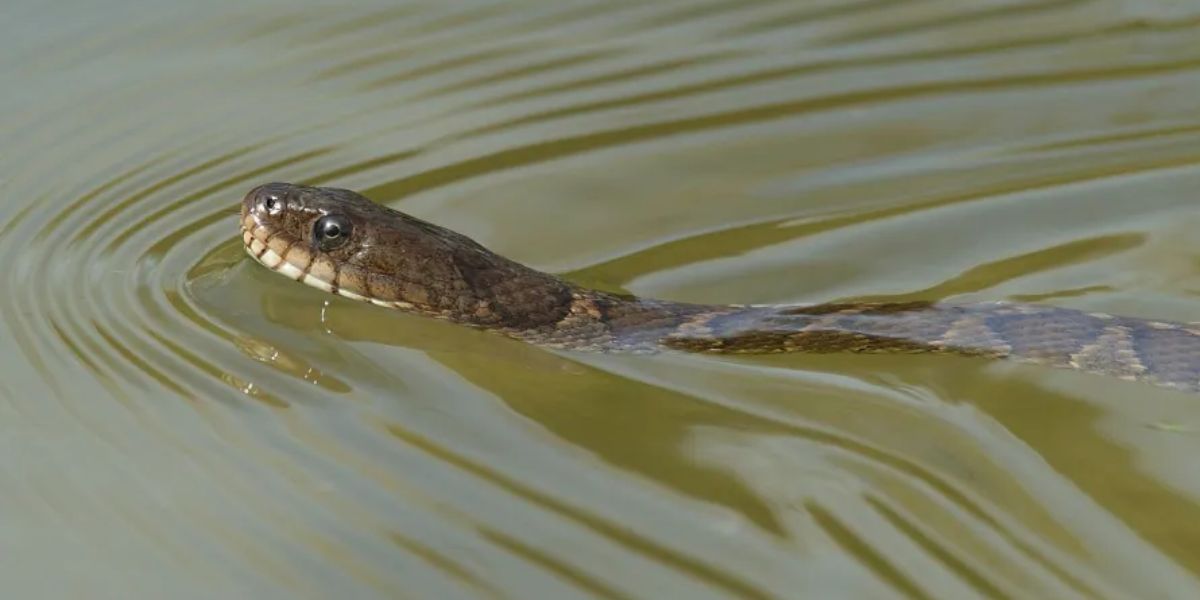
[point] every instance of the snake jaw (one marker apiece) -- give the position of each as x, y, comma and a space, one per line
269, 258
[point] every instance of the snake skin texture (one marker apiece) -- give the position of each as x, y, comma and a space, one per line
341, 242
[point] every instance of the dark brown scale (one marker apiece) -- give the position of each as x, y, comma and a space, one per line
401, 261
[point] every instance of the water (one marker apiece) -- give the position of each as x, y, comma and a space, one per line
179, 422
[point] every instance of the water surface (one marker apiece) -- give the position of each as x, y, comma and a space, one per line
179, 422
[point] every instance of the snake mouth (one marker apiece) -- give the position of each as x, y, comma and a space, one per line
294, 259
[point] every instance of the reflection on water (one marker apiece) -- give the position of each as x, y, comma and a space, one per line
179, 421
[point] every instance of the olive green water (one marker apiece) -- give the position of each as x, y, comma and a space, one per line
179, 422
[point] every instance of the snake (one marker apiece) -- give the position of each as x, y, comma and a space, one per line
343, 243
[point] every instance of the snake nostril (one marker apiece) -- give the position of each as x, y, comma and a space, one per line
264, 201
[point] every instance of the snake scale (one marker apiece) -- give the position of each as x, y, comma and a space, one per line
341, 242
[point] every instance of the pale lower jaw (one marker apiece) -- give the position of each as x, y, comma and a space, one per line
273, 261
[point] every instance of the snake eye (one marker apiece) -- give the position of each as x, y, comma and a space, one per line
331, 231
271, 204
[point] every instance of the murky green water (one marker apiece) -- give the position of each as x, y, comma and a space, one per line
179, 422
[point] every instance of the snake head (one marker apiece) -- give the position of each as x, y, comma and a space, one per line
341, 242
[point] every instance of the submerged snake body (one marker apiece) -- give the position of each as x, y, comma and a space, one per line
343, 243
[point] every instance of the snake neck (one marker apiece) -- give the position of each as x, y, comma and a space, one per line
595, 320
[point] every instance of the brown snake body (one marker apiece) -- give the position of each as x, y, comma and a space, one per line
341, 242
